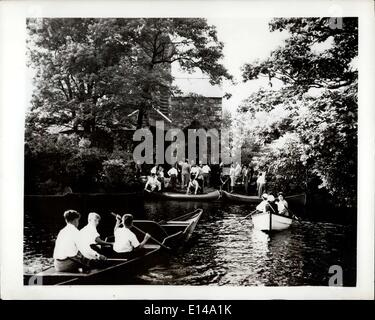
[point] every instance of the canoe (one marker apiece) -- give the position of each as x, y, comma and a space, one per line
271, 222
214, 195
298, 199
172, 234
235, 197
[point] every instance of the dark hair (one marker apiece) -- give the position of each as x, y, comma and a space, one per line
127, 219
281, 194
71, 215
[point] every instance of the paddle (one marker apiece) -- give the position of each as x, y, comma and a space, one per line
151, 237
250, 214
292, 215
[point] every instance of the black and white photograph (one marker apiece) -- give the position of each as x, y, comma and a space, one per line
194, 151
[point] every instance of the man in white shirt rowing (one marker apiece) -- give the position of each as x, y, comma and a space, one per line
89, 241
125, 240
67, 257
262, 206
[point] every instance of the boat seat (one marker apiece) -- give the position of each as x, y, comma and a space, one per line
151, 246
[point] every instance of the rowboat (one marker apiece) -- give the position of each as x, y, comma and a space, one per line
214, 195
267, 222
167, 235
298, 199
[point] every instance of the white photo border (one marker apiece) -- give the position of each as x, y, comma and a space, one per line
13, 97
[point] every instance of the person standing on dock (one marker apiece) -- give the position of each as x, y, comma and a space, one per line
200, 177
232, 175
160, 175
89, 239
206, 174
238, 170
172, 173
66, 255
245, 178
185, 174
261, 183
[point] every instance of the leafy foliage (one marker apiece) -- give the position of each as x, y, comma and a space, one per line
90, 74
299, 65
308, 128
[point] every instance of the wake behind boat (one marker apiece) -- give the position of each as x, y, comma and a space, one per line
170, 234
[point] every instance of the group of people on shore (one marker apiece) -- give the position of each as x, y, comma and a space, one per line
194, 177
275, 206
81, 250
244, 176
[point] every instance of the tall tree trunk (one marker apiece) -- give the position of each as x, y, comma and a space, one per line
146, 104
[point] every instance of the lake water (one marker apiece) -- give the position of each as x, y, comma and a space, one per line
224, 249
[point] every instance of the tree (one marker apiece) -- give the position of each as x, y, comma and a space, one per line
190, 42
94, 72
300, 65
315, 135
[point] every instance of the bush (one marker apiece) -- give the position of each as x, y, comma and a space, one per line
118, 174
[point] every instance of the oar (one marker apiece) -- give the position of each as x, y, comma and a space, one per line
292, 215
250, 214
151, 237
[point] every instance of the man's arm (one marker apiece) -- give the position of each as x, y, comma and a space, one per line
118, 222
145, 239
100, 241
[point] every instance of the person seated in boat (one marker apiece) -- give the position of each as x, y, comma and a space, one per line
172, 173
66, 255
282, 205
89, 239
125, 240
152, 183
262, 206
193, 184
271, 206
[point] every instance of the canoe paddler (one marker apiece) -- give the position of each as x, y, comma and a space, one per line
67, 257
125, 240
262, 206
89, 239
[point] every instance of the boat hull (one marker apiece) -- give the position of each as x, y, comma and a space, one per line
267, 223
211, 196
235, 197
